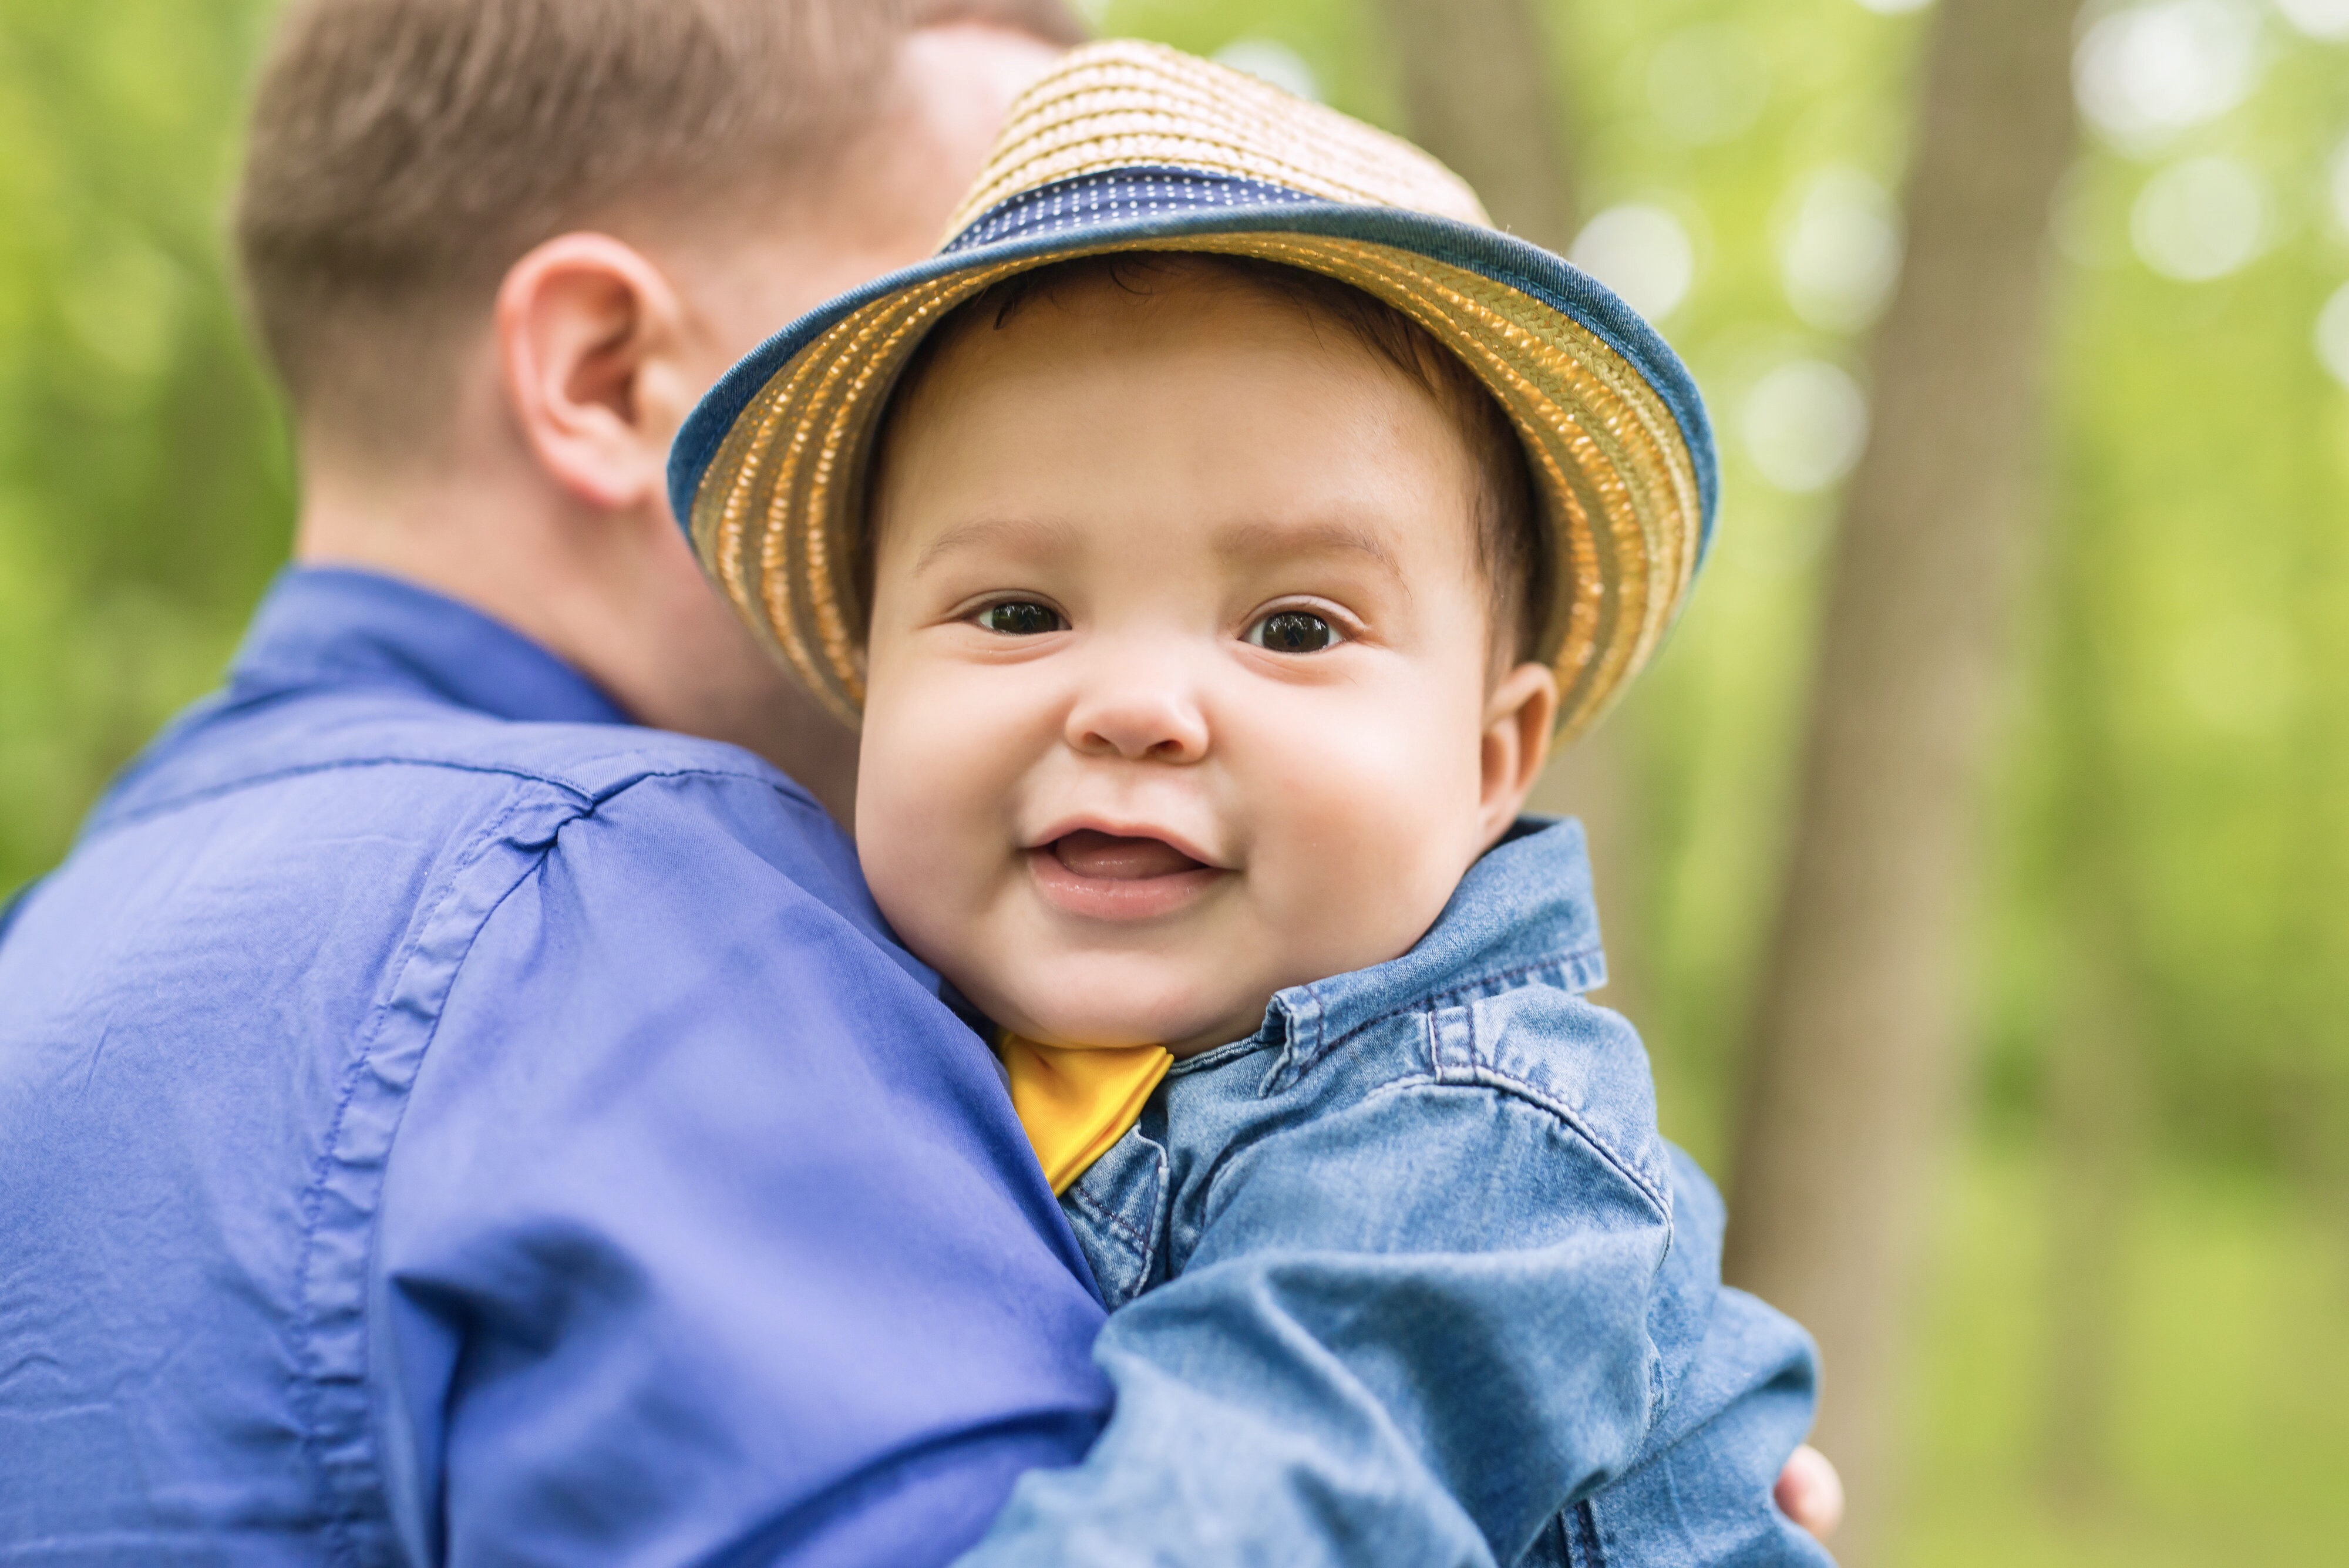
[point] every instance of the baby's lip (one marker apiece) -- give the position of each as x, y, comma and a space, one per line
1098, 875
1119, 858
1121, 850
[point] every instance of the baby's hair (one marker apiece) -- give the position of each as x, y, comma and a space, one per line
1511, 549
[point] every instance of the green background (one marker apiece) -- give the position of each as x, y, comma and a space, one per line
2171, 807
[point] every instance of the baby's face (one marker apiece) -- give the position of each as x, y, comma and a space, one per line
1180, 689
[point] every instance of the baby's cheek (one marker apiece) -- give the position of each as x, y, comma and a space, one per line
922, 876
932, 815
1377, 839
906, 807
1363, 874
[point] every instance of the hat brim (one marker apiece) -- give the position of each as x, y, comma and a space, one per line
767, 474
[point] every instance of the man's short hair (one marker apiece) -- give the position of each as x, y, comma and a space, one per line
405, 153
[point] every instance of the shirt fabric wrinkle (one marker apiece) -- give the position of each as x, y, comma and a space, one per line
423, 979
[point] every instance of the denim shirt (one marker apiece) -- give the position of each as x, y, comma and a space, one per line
1412, 1268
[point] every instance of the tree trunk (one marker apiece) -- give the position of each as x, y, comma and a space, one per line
1599, 781
1479, 91
1853, 1046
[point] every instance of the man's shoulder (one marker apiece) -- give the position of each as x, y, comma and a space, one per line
226, 747
357, 1037
378, 809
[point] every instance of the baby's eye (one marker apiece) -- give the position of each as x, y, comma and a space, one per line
1293, 631
1021, 618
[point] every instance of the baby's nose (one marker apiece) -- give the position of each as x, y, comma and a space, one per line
1139, 716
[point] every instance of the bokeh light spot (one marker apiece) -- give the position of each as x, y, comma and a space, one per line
1642, 253
2333, 335
1271, 61
2199, 218
2327, 19
2145, 73
1806, 424
1708, 84
1840, 252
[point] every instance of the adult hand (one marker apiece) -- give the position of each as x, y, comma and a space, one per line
1810, 1493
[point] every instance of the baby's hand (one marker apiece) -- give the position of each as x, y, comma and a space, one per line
1810, 1493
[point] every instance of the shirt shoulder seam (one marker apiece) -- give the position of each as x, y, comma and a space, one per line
587, 798
1573, 960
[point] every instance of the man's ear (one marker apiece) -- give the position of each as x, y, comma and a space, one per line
588, 333
1517, 722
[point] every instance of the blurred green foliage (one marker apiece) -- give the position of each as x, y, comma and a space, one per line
144, 487
2172, 804
2227, 1435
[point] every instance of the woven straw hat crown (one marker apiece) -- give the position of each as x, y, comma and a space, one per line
1129, 147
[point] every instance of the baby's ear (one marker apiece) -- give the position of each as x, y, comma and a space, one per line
1518, 718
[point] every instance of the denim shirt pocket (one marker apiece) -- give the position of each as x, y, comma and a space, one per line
1118, 1210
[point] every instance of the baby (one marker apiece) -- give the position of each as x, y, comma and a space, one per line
1211, 618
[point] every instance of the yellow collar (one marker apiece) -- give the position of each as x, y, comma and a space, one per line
1075, 1102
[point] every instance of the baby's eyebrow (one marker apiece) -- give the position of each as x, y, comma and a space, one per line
1027, 536
1327, 536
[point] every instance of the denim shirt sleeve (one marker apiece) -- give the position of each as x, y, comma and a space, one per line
1408, 1321
708, 1235
1741, 1381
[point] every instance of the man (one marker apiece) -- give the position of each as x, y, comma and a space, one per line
441, 1120
438, 1121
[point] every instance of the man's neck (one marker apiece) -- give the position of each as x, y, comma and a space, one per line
616, 596
467, 531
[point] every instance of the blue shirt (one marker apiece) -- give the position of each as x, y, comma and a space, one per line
439, 1122
1410, 1275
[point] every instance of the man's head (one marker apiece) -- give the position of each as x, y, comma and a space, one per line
496, 249
405, 153
1198, 654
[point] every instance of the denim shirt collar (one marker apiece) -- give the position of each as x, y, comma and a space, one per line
339, 626
1523, 915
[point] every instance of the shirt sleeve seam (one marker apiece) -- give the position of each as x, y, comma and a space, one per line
351, 1445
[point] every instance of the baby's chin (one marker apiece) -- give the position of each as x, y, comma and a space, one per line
1180, 1020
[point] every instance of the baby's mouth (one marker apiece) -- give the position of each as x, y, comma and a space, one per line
1098, 876
1108, 858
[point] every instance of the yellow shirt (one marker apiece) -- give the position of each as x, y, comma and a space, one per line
1074, 1102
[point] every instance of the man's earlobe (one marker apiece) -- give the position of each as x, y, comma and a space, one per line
1518, 718
581, 322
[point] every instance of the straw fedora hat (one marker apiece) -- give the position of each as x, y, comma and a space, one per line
1129, 146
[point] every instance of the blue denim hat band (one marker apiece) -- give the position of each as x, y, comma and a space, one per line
1072, 207
1128, 205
